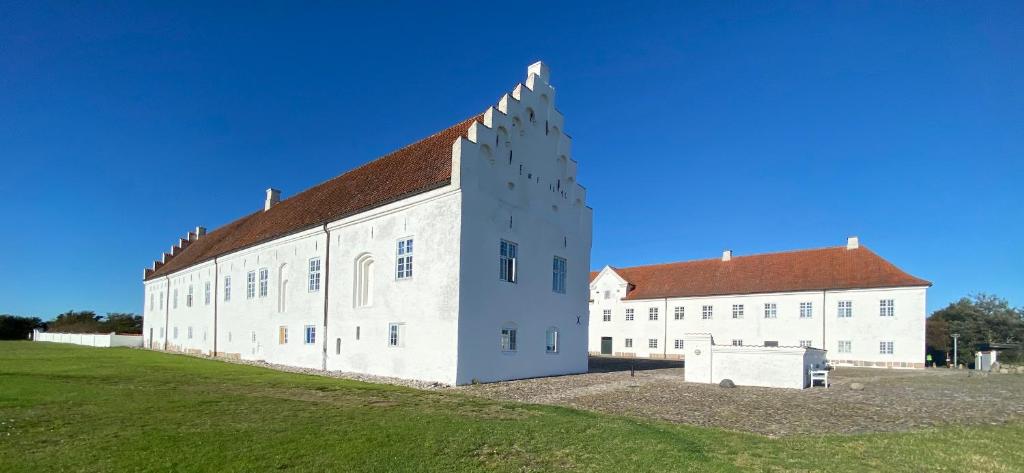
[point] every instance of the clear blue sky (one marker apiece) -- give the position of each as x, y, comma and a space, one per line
697, 127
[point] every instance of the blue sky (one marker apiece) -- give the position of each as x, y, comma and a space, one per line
697, 126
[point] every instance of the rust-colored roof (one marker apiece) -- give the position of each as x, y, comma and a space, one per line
417, 168
803, 270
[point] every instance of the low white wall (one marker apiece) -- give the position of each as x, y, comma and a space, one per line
89, 339
772, 367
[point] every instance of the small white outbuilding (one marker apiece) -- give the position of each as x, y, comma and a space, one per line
745, 365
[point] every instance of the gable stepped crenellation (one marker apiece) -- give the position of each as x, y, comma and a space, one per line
183, 243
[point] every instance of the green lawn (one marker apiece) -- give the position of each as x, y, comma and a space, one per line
65, 407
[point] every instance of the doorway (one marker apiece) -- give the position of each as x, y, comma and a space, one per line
606, 345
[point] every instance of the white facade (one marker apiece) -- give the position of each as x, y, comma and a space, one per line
512, 180
100, 340
802, 318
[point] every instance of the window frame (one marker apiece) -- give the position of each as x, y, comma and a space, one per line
227, 288
737, 311
678, 344
309, 334
886, 347
403, 258
188, 297
629, 343
680, 313
207, 292
606, 315
844, 309
508, 261
807, 310
282, 335
508, 338
396, 338
250, 284
844, 346
887, 307
771, 310
652, 343
707, 312
652, 314
559, 268
551, 341
630, 314
313, 274
264, 282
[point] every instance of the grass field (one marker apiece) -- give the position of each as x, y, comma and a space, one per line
70, 408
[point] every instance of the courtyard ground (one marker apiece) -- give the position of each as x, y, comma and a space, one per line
891, 401
71, 408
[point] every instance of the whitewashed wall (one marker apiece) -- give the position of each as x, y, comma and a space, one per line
771, 367
824, 329
105, 340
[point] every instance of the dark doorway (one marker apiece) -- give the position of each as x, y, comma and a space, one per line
606, 345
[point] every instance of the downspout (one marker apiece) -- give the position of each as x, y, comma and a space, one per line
216, 276
664, 348
823, 317
326, 289
167, 310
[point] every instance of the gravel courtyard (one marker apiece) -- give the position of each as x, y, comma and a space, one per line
892, 400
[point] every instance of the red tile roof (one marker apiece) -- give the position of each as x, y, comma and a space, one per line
803, 270
417, 168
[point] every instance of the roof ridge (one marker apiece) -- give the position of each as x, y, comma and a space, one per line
735, 257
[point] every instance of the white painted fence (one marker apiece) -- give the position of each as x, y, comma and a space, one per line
89, 339
771, 367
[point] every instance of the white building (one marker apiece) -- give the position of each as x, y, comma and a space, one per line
861, 309
461, 257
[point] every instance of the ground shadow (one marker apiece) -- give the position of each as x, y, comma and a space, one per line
608, 364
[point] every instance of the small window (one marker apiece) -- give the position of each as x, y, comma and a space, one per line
227, 288
282, 335
607, 295
771, 343
151, 301
175, 333
629, 343
558, 275
806, 310
314, 275
206, 293
394, 335
250, 285
845, 346
551, 340
629, 314
606, 315
737, 342
188, 298
508, 338
264, 278
805, 343
887, 308
770, 311
174, 302
707, 312
357, 332
310, 335
652, 313
508, 257
337, 346
403, 261
678, 344
253, 336
885, 348
161, 332
680, 313
652, 343
161, 300
844, 309
737, 311
190, 333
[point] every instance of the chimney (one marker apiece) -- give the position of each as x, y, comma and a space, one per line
852, 243
727, 255
273, 198
200, 231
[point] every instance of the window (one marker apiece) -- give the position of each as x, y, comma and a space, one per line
310, 337
629, 343
706, 312
629, 314
806, 310
151, 301
845, 309
161, 300
558, 275
229, 336
737, 342
680, 313
845, 346
805, 343
250, 285
606, 315
175, 333
403, 263
652, 313
161, 332
206, 293
887, 308
282, 335
652, 343
190, 333
337, 346
771, 343
188, 297
551, 340
508, 338
509, 254
607, 295
885, 348
737, 311
264, 277
253, 333
227, 288
314, 275
362, 287
678, 344
175, 300
770, 311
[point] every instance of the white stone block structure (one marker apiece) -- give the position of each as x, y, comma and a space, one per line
746, 365
462, 257
847, 300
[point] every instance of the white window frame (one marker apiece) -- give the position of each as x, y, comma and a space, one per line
771, 310
887, 308
558, 269
886, 347
629, 343
652, 343
551, 340
395, 335
844, 346
707, 312
309, 334
508, 261
227, 288
630, 315
403, 258
844, 309
737, 311
652, 314
264, 282
680, 312
806, 310
606, 315
678, 344
313, 281
507, 339
250, 285
737, 342
206, 293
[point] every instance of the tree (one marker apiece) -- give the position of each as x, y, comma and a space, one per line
13, 327
85, 321
980, 318
121, 323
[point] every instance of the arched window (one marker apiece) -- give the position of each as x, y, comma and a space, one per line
551, 340
502, 136
530, 115
282, 289
362, 287
485, 151
508, 337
